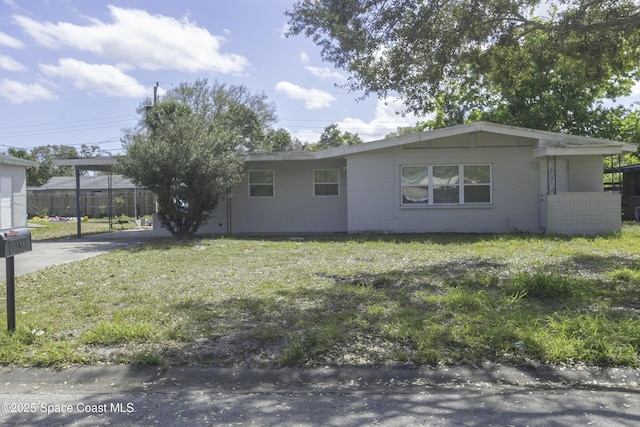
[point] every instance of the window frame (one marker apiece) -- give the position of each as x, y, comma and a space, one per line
262, 184
489, 184
461, 186
433, 186
413, 185
315, 183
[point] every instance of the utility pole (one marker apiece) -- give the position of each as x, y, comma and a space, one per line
148, 107
155, 93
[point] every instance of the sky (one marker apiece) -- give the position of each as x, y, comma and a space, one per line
73, 72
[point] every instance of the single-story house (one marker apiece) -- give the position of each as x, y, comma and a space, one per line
479, 178
13, 191
57, 197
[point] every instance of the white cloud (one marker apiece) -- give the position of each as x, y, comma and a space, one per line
141, 40
106, 79
304, 58
7, 40
282, 31
307, 136
20, 93
324, 73
10, 64
313, 98
385, 121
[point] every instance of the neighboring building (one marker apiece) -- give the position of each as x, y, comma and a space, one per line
479, 178
630, 192
13, 191
58, 197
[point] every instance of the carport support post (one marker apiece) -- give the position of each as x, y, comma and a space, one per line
79, 218
11, 294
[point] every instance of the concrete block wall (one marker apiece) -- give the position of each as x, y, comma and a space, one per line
584, 213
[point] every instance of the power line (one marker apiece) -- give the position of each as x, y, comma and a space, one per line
65, 129
47, 93
31, 125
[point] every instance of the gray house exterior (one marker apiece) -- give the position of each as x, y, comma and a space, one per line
13, 191
477, 178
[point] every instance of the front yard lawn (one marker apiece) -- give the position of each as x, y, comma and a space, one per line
344, 300
46, 230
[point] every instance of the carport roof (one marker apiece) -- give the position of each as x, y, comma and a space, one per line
89, 163
87, 183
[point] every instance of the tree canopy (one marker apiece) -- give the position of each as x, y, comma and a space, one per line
187, 148
524, 62
333, 137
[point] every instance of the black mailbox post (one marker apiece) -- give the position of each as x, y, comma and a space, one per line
13, 241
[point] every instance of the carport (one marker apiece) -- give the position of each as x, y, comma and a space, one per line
102, 164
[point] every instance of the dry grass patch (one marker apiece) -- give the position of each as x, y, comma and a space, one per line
355, 300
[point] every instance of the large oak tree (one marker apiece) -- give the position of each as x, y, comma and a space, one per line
538, 64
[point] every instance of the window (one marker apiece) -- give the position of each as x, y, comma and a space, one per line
261, 184
326, 182
415, 185
477, 184
446, 185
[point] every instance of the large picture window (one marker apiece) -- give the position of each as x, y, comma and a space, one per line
326, 182
261, 183
445, 185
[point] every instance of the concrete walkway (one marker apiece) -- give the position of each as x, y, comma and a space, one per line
129, 395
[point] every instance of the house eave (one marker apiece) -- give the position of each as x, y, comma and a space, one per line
16, 161
548, 143
580, 150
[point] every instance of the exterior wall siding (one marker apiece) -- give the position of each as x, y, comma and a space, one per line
374, 200
585, 173
584, 213
294, 207
18, 175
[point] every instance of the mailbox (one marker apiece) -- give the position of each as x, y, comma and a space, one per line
14, 241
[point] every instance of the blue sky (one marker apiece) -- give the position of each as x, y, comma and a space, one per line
73, 72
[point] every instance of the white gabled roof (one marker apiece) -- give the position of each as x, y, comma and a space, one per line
549, 143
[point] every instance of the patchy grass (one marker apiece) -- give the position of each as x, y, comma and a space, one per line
348, 300
46, 230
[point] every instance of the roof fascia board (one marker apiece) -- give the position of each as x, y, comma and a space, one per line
579, 150
546, 140
88, 163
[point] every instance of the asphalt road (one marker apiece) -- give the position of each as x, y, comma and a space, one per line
490, 395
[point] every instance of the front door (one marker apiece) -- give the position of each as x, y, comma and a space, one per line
554, 179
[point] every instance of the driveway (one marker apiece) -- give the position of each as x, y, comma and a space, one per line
48, 253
